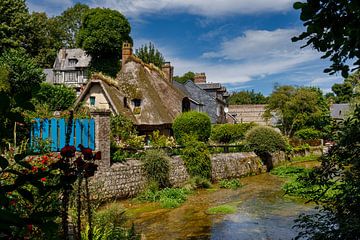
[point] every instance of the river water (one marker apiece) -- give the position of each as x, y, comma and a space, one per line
263, 212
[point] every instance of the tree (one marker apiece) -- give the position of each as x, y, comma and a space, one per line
247, 97
338, 191
187, 76
57, 97
149, 54
46, 37
332, 27
19, 80
298, 108
101, 35
14, 18
348, 90
71, 22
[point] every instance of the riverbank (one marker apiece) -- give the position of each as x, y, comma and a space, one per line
262, 212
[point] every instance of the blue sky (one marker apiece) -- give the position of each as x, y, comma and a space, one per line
243, 44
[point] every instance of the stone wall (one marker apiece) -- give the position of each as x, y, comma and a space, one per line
123, 180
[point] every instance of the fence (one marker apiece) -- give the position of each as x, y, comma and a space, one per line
54, 130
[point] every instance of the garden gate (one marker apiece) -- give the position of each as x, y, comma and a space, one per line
54, 130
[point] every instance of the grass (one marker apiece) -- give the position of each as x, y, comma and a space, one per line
230, 184
167, 197
296, 186
222, 209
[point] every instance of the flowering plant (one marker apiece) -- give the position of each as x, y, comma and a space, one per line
34, 191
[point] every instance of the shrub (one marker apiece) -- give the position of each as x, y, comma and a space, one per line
192, 123
229, 133
167, 197
265, 139
196, 158
161, 141
157, 166
308, 134
198, 182
230, 183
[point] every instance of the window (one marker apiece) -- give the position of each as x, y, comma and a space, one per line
92, 101
136, 102
71, 77
73, 62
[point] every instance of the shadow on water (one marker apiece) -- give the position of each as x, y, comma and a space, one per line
263, 212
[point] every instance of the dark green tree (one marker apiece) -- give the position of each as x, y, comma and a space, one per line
247, 97
20, 78
101, 35
46, 37
332, 27
57, 97
347, 90
339, 173
187, 76
297, 108
71, 21
14, 24
149, 54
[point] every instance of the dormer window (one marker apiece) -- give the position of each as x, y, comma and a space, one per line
136, 102
73, 62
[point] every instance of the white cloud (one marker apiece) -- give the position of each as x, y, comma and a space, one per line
213, 8
51, 7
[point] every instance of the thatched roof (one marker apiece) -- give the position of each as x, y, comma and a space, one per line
161, 102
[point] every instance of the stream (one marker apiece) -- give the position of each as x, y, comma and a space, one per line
263, 212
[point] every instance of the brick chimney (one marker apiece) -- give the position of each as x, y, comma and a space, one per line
126, 52
200, 78
168, 70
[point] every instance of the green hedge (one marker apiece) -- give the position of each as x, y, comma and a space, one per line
308, 134
229, 133
157, 166
192, 123
265, 139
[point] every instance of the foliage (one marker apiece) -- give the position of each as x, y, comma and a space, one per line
71, 21
149, 54
192, 123
308, 134
30, 189
265, 139
222, 209
196, 158
198, 182
157, 166
339, 172
230, 183
58, 97
297, 108
101, 35
247, 97
121, 127
229, 133
161, 141
124, 139
21, 79
14, 18
332, 28
109, 224
184, 78
348, 90
167, 197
